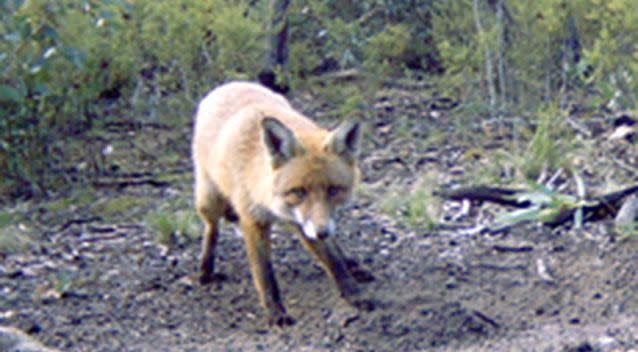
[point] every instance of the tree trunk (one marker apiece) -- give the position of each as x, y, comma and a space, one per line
502, 79
489, 64
277, 58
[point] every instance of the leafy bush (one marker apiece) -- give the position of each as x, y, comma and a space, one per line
69, 66
539, 51
328, 35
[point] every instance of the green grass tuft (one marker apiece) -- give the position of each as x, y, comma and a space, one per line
418, 208
168, 225
13, 240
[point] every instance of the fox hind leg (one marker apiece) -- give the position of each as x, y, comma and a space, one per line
210, 206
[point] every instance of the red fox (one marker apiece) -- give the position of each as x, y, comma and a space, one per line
259, 161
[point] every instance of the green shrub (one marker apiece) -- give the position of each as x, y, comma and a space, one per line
47, 89
71, 66
545, 49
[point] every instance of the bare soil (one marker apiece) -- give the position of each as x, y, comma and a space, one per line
107, 284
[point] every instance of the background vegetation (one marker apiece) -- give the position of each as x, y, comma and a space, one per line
69, 68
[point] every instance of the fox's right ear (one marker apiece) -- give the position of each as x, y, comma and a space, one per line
279, 140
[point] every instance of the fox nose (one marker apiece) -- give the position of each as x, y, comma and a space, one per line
327, 230
323, 234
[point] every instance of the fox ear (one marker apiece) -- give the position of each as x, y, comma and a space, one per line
344, 140
279, 140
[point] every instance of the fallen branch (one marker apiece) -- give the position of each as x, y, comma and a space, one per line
130, 183
79, 221
603, 206
503, 196
549, 214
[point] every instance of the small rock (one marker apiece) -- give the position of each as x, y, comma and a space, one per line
544, 271
628, 213
622, 132
344, 316
7, 314
607, 342
14, 340
186, 281
46, 294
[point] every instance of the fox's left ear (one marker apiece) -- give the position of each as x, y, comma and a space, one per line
344, 140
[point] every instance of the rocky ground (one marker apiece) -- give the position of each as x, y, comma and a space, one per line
106, 283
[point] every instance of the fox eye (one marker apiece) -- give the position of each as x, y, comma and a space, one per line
296, 195
335, 190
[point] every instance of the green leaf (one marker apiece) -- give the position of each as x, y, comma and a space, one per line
10, 94
541, 188
549, 214
76, 56
578, 218
517, 216
535, 197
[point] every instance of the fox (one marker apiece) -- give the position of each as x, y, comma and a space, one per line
258, 161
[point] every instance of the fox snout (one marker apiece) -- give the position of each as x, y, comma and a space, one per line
321, 232
317, 229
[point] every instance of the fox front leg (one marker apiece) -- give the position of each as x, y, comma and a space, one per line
257, 242
360, 274
336, 266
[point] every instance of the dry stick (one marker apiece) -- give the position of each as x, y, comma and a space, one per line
548, 85
602, 207
624, 166
368, 15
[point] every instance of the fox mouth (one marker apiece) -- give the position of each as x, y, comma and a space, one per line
311, 232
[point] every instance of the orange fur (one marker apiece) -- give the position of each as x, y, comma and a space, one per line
257, 156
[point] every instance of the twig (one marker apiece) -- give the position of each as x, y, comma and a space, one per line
512, 249
368, 15
624, 166
579, 127
486, 319
80, 221
504, 196
129, 183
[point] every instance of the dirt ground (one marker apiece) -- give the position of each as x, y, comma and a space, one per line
109, 285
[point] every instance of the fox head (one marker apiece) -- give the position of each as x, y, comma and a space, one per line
313, 174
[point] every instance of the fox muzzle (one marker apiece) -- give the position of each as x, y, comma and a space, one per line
313, 231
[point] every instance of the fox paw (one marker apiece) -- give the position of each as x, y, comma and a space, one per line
209, 278
281, 320
365, 305
361, 275
358, 273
